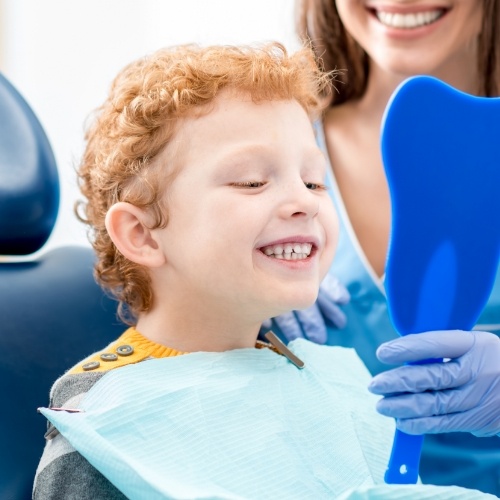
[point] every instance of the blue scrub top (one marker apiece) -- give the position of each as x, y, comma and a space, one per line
449, 459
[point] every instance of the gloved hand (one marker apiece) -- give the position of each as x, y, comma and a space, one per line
310, 323
462, 394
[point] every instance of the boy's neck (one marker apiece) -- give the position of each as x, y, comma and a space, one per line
192, 333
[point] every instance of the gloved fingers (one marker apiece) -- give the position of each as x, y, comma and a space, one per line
331, 311
472, 407
425, 425
266, 325
334, 290
429, 404
426, 345
307, 323
289, 326
313, 324
473, 421
420, 378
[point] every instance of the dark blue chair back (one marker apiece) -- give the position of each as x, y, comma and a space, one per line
52, 313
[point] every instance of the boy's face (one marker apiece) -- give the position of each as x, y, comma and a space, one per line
251, 227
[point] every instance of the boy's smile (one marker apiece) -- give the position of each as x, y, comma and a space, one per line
251, 229
289, 250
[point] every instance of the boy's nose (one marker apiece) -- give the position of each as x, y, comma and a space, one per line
299, 202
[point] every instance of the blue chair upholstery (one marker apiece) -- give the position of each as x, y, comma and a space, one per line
52, 313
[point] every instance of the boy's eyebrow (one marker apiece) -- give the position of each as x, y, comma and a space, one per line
244, 152
241, 154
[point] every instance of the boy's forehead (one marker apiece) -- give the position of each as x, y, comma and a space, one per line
194, 117
235, 126
232, 111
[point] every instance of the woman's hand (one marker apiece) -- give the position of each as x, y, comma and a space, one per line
462, 394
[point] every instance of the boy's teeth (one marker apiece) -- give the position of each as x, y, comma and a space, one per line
408, 21
289, 251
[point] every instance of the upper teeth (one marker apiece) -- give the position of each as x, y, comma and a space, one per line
397, 20
288, 251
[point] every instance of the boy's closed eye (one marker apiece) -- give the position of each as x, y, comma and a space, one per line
315, 186
248, 184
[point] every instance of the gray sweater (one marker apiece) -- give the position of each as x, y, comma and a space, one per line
63, 474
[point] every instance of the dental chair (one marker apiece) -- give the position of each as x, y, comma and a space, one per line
52, 313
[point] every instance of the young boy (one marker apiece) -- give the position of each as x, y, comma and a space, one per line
208, 214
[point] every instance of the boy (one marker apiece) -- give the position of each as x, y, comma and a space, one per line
208, 214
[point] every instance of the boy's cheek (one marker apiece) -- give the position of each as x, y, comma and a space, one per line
327, 259
331, 232
328, 255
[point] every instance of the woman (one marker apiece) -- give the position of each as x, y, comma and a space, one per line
378, 44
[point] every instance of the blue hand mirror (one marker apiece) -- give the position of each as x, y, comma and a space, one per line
441, 153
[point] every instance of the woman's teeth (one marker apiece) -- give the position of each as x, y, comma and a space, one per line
289, 251
408, 21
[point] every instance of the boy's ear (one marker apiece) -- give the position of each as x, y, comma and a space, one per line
128, 229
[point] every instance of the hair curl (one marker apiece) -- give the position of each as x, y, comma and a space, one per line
318, 22
138, 120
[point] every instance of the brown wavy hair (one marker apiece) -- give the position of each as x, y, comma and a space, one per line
318, 22
138, 120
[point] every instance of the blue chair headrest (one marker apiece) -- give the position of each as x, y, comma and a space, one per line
29, 182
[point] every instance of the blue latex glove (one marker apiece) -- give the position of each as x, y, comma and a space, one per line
310, 323
460, 395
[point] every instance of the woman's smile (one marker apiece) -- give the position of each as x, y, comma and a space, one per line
408, 20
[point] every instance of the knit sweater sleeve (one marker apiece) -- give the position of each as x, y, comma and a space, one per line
64, 474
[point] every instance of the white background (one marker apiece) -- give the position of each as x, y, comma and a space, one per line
62, 55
